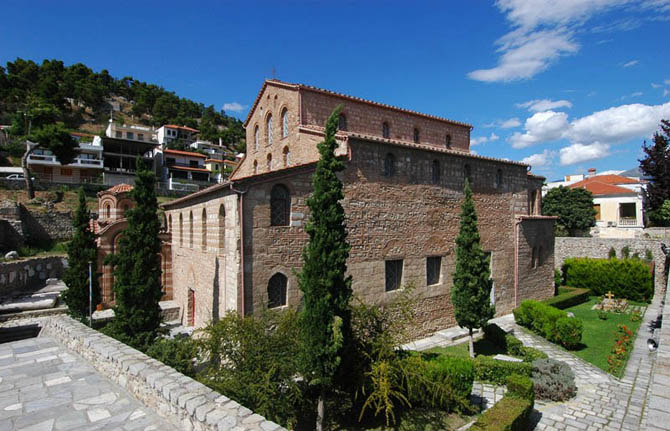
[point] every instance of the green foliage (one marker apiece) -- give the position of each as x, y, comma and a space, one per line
178, 353
543, 320
558, 279
571, 297
520, 386
625, 252
656, 164
648, 256
492, 370
442, 382
612, 253
573, 207
255, 360
625, 278
509, 414
81, 251
137, 267
554, 380
471, 292
661, 216
57, 139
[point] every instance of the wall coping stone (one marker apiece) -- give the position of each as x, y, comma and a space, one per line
181, 400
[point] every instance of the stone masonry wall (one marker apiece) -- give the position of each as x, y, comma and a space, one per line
47, 226
186, 403
27, 275
599, 248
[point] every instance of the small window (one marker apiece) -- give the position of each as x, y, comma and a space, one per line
284, 123
222, 227
533, 258
596, 208
181, 230
433, 267
467, 173
416, 135
448, 142
277, 290
280, 206
269, 162
287, 156
255, 167
435, 174
204, 229
342, 122
532, 204
499, 177
256, 138
540, 257
393, 274
190, 229
140, 137
389, 165
108, 211
119, 134
130, 135
386, 132
268, 126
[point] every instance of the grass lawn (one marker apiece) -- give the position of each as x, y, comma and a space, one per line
599, 335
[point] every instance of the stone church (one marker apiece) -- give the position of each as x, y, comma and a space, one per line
237, 245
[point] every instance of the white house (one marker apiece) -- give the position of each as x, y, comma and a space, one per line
170, 133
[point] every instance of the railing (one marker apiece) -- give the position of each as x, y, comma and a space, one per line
185, 165
628, 221
50, 159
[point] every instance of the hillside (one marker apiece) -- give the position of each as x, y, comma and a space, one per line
32, 95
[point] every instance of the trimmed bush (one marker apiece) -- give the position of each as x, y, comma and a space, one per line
520, 386
513, 345
492, 370
569, 332
508, 414
443, 382
625, 278
554, 380
530, 354
568, 299
542, 319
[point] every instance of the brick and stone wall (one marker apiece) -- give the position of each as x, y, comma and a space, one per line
599, 248
27, 275
40, 227
184, 402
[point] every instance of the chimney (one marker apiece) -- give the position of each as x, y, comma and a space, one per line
591, 172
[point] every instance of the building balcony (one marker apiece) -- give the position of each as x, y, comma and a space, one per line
50, 160
184, 165
628, 222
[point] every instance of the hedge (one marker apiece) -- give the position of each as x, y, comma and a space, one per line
521, 387
625, 278
543, 320
572, 297
495, 371
457, 374
513, 411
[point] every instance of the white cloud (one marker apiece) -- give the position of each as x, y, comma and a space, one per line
631, 63
666, 82
541, 127
577, 153
493, 137
511, 123
653, 85
483, 139
637, 94
665, 92
539, 160
537, 105
234, 107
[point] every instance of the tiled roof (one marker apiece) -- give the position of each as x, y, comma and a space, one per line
213, 161
344, 96
607, 179
184, 153
173, 126
120, 188
600, 189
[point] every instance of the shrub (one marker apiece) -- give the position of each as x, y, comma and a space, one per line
625, 252
612, 253
178, 353
530, 354
558, 279
648, 256
442, 382
492, 370
569, 298
510, 413
520, 386
625, 278
554, 380
513, 345
569, 332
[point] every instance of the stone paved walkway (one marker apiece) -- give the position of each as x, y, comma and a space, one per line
44, 386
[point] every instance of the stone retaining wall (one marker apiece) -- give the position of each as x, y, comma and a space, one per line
28, 275
566, 247
186, 403
658, 416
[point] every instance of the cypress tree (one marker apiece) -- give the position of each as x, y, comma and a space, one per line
80, 251
137, 270
656, 164
471, 292
326, 317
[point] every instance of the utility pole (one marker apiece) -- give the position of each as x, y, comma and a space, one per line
90, 294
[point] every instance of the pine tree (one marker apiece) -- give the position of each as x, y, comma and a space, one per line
471, 292
657, 165
80, 251
326, 316
137, 270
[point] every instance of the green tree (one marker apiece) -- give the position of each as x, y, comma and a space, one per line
657, 165
54, 138
137, 270
573, 207
326, 315
471, 292
80, 251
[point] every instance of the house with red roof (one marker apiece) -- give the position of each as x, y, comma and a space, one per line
183, 170
172, 133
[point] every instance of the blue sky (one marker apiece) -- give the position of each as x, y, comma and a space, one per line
563, 84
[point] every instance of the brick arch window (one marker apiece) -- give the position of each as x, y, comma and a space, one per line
268, 129
222, 227
256, 138
389, 165
269, 162
190, 229
108, 211
447, 141
386, 130
181, 230
284, 123
277, 287
416, 135
435, 172
342, 121
467, 173
280, 206
499, 179
169, 223
287, 156
255, 167
204, 229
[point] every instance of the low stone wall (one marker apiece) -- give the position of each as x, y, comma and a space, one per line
186, 403
659, 390
40, 227
566, 247
27, 275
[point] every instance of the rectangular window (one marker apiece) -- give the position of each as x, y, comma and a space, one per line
119, 134
393, 274
193, 163
140, 136
170, 161
433, 266
597, 208
130, 135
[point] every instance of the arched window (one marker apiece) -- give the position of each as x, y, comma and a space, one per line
416, 135
277, 290
389, 165
284, 123
287, 155
222, 227
386, 131
540, 258
190, 229
181, 230
108, 211
447, 142
204, 229
256, 138
342, 122
255, 167
268, 126
435, 174
280, 206
499, 179
169, 223
269, 162
467, 174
